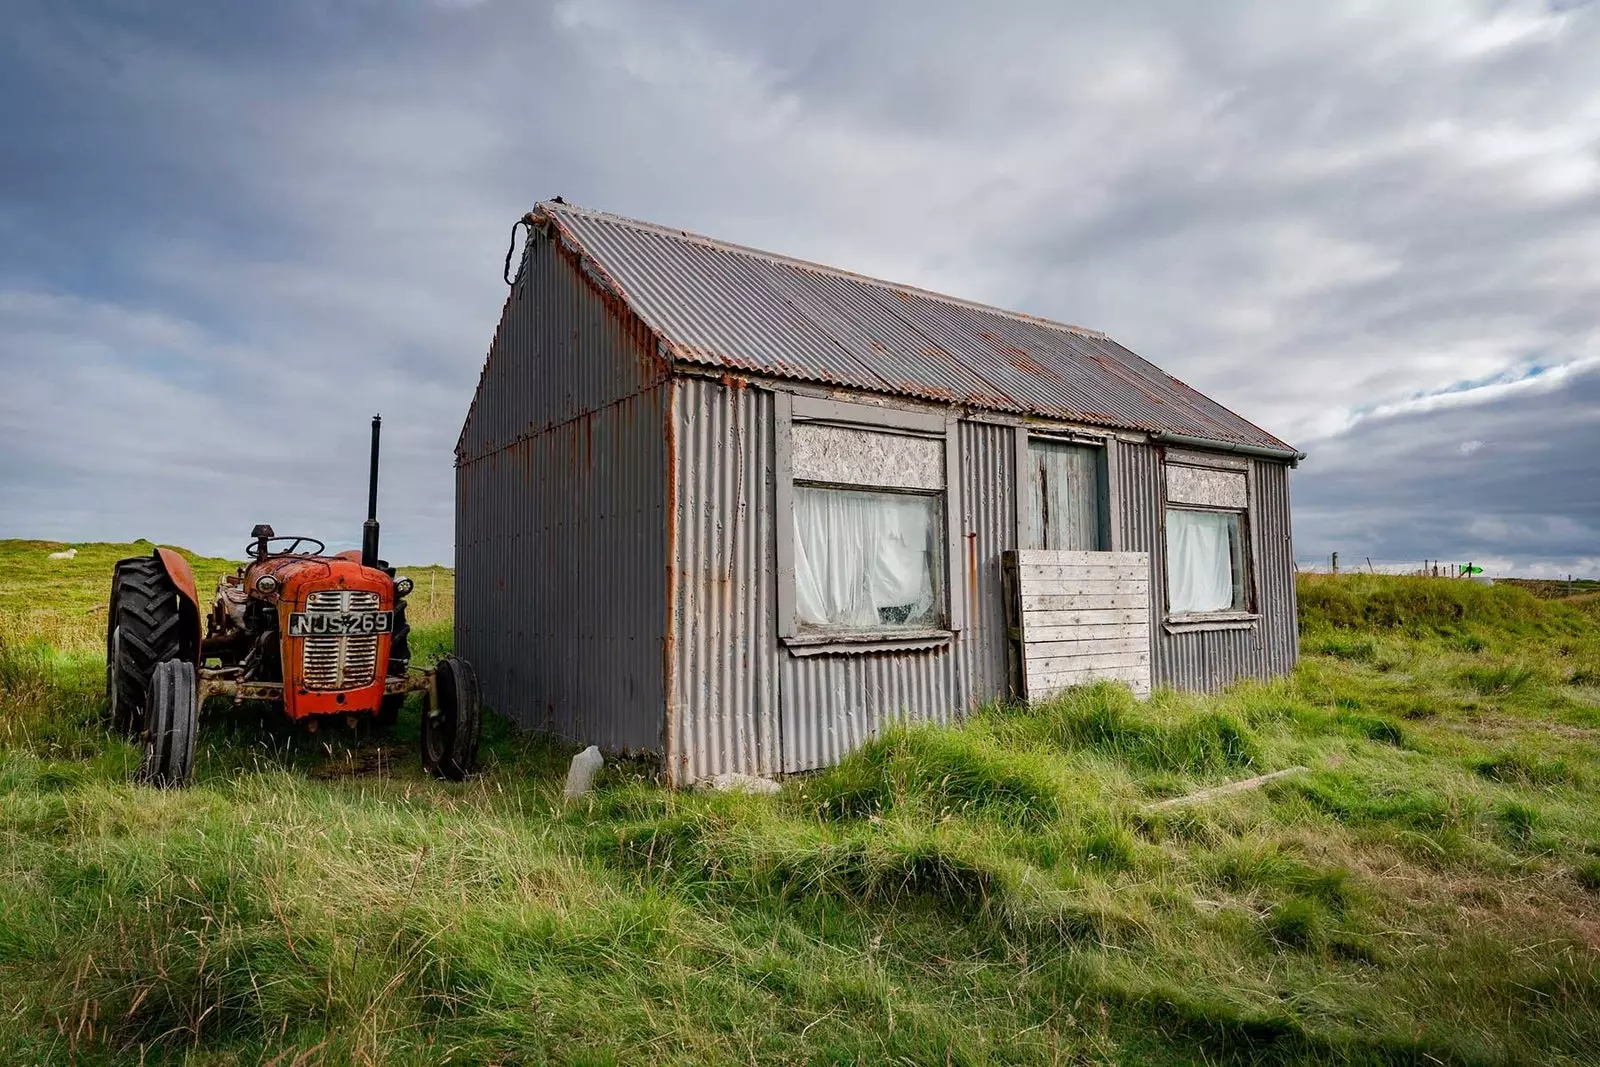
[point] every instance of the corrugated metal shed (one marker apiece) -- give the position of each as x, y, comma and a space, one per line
723, 305
621, 497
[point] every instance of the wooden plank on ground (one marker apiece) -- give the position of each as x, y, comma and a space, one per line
1203, 795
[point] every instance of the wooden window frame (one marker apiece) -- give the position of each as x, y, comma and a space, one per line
1188, 622
791, 407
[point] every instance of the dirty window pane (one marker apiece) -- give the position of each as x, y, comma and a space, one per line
1205, 561
867, 560
1064, 496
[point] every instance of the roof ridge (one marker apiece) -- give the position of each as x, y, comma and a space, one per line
547, 208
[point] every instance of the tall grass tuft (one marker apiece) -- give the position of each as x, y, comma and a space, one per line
937, 771
1172, 736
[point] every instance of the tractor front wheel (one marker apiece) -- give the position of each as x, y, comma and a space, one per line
172, 718
453, 722
143, 628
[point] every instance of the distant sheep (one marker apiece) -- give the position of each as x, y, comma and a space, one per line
68, 554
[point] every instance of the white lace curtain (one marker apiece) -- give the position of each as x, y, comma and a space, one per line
864, 560
1204, 571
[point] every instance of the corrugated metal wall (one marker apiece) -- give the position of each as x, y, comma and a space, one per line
741, 701
1210, 659
725, 678
561, 518
988, 510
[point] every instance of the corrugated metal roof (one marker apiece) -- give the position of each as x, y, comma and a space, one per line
724, 305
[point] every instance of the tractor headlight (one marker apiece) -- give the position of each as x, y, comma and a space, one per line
402, 587
266, 584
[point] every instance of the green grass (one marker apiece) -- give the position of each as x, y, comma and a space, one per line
994, 893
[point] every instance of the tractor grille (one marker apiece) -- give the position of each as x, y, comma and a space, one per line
345, 661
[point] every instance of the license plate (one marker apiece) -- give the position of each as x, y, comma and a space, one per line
318, 624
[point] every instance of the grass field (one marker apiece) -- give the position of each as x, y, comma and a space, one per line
1429, 892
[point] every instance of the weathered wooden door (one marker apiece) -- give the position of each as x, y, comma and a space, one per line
1066, 497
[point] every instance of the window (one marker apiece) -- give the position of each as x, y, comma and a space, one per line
1205, 561
1207, 531
867, 560
1066, 496
866, 496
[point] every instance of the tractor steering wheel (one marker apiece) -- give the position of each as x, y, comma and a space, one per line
295, 543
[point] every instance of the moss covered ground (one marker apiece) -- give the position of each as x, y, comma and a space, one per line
995, 893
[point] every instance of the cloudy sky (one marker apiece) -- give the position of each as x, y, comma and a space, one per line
226, 239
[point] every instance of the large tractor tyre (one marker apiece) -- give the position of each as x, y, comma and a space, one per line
399, 663
143, 629
172, 718
452, 726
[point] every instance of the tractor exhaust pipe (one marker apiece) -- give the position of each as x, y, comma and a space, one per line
369, 529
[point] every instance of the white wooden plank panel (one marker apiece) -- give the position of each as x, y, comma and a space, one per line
1136, 678
1052, 619
1086, 662
1077, 584
1087, 647
1055, 557
1111, 631
1089, 602
1046, 685
1085, 616
1104, 573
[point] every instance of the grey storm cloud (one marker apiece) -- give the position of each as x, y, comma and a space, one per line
1472, 483
227, 236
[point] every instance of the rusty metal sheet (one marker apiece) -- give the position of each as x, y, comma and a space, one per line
723, 305
561, 514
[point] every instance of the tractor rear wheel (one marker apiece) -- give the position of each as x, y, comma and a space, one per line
453, 724
172, 719
142, 630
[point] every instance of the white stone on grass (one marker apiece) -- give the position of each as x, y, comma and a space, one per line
580, 779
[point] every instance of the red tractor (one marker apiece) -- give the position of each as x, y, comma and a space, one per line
324, 635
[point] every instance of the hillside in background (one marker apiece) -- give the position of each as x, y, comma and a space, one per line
1428, 891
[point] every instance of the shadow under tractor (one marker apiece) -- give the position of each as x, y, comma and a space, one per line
322, 635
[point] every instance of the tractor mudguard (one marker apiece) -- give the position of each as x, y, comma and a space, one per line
182, 576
